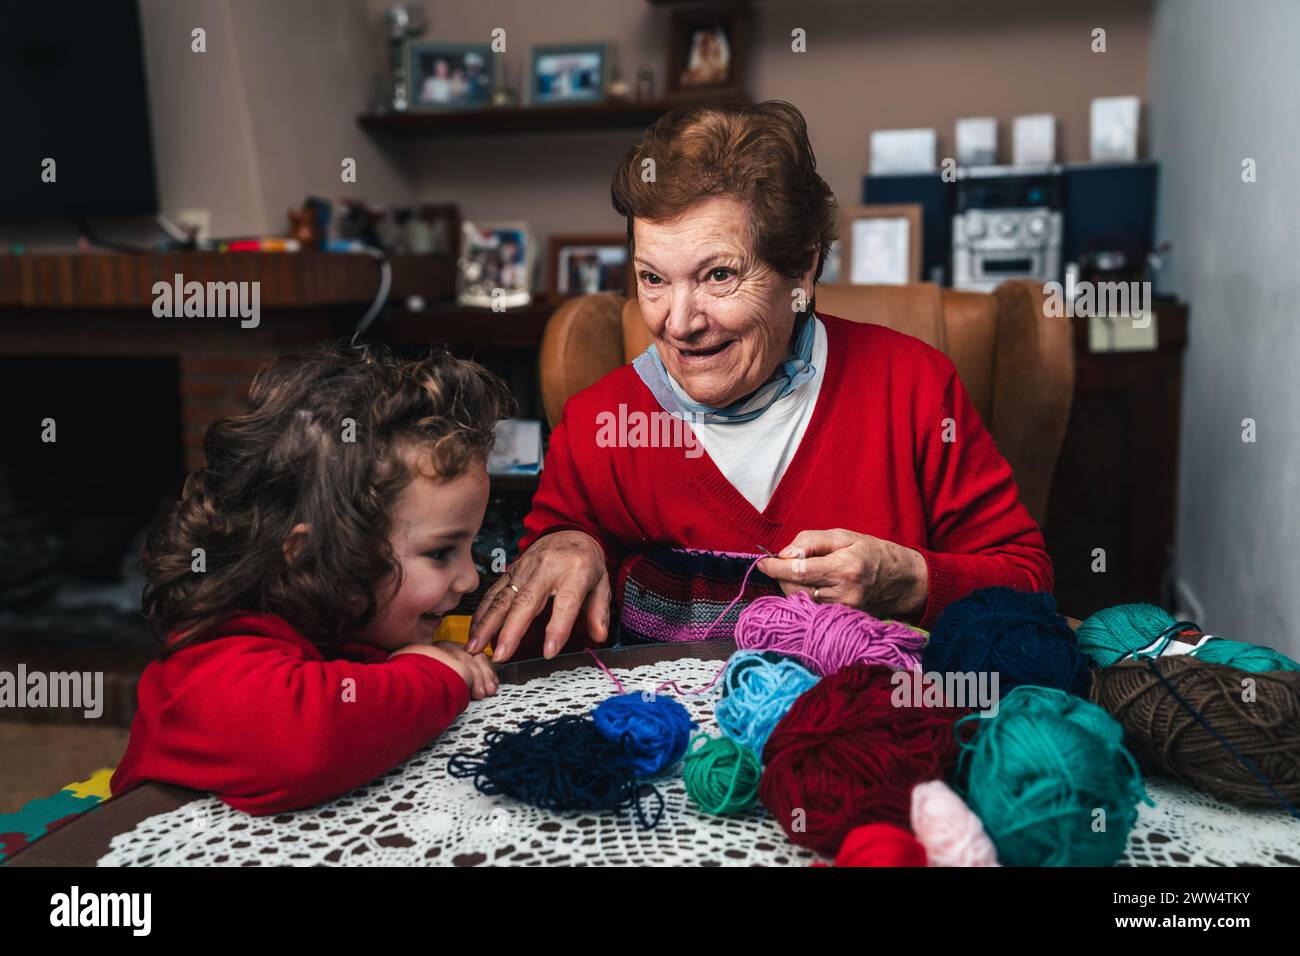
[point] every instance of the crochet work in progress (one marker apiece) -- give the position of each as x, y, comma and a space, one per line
670, 595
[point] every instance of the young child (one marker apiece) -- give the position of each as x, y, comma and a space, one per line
300, 580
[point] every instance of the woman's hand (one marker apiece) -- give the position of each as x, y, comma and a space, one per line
874, 575
568, 565
476, 669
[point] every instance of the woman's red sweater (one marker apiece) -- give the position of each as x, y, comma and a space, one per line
895, 449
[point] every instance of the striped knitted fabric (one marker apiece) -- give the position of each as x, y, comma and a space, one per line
673, 595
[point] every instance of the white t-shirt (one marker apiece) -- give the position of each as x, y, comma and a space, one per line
754, 455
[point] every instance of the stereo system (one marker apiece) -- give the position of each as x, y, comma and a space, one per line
994, 223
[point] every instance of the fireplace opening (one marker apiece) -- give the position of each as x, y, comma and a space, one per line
73, 511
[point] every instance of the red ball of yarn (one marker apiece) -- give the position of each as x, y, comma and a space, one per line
880, 844
844, 755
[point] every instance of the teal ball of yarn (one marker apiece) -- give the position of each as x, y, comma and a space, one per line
1245, 657
1039, 771
757, 693
1115, 633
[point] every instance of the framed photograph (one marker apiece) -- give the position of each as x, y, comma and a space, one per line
903, 151
568, 74
450, 76
707, 48
1033, 140
881, 244
1113, 129
496, 264
583, 264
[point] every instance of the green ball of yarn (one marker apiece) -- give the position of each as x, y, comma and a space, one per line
721, 774
1114, 633
1038, 772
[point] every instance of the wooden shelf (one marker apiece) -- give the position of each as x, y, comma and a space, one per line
616, 115
451, 324
112, 280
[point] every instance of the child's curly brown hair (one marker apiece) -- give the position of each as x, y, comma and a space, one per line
287, 461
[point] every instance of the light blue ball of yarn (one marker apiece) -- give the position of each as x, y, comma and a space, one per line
653, 730
759, 690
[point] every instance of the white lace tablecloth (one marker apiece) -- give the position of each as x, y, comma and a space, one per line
418, 814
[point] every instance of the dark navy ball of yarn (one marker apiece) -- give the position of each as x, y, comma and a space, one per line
652, 730
561, 764
1017, 634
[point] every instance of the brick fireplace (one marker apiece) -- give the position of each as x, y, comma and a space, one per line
101, 305
132, 395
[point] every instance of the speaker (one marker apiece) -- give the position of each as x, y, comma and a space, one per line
1110, 207
936, 199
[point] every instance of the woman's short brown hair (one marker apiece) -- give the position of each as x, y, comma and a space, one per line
758, 153
330, 438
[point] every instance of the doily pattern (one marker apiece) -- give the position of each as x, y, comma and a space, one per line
418, 815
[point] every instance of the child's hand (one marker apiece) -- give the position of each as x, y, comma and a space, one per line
476, 669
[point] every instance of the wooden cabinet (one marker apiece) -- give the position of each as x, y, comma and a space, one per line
1116, 483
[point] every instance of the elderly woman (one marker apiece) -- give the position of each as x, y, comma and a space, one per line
849, 450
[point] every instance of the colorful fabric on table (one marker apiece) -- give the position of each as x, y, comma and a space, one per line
673, 595
41, 816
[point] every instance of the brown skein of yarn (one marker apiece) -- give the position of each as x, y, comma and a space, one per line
1164, 736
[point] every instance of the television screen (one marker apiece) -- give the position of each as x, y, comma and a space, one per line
72, 88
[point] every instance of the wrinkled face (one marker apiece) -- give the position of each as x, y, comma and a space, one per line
721, 319
433, 525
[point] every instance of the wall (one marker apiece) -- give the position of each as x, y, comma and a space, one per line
1223, 85
869, 65
260, 120
267, 114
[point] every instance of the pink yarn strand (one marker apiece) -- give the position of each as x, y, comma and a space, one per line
668, 683
743, 582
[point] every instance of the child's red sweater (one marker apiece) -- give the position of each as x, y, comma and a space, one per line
260, 717
895, 449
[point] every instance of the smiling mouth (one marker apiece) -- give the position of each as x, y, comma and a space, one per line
690, 354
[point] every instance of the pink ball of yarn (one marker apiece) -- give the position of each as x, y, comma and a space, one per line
827, 637
948, 829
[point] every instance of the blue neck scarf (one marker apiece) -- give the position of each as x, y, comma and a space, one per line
789, 375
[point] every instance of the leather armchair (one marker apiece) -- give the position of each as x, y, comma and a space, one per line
1016, 362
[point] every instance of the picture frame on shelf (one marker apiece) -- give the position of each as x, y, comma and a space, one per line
495, 256
581, 264
447, 76
568, 74
708, 49
881, 244
442, 220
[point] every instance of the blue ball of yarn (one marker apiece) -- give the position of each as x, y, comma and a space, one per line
652, 730
757, 693
738, 667
1016, 634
